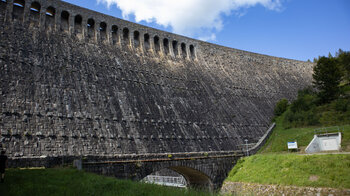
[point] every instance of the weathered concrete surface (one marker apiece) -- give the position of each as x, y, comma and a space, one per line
68, 93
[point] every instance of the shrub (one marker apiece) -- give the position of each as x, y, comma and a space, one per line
328, 118
311, 117
341, 105
302, 111
281, 107
304, 102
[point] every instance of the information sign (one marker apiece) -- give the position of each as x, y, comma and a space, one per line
292, 145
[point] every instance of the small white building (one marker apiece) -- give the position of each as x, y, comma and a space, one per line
324, 142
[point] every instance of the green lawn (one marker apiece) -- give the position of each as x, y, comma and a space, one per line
277, 143
73, 182
290, 169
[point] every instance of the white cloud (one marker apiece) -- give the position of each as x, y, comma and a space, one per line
188, 17
211, 37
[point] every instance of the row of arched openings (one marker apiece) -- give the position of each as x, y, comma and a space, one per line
156, 42
35, 9
34, 12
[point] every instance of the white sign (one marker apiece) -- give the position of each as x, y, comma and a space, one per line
292, 145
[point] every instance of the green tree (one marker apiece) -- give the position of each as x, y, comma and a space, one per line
344, 61
304, 102
327, 76
281, 107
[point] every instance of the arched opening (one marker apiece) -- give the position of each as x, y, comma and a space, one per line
19, 3
195, 179
103, 30
192, 52
18, 9
78, 20
175, 48
166, 46
50, 12
126, 36
35, 8
136, 39
64, 21
114, 34
156, 44
91, 28
50, 17
183, 50
180, 176
146, 40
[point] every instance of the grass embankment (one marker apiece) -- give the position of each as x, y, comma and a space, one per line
74, 182
275, 165
290, 169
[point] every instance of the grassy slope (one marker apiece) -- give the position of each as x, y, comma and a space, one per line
274, 165
288, 169
73, 182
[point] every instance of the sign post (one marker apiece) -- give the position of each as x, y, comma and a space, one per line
292, 146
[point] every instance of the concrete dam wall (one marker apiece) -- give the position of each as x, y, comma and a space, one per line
76, 82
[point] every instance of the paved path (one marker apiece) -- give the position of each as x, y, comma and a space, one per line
327, 153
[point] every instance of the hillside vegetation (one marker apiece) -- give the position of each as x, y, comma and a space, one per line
327, 102
307, 110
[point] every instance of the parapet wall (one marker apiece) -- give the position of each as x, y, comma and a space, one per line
72, 86
94, 27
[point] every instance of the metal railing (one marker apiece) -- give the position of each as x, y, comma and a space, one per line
327, 130
166, 181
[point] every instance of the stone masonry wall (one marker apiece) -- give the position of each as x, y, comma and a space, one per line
115, 87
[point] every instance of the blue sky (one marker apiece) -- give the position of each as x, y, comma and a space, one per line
295, 29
